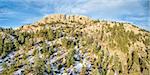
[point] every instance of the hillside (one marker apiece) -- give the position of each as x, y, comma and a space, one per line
75, 45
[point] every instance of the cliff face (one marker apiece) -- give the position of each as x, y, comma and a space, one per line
58, 18
64, 19
64, 44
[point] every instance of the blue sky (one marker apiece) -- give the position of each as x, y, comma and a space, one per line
15, 13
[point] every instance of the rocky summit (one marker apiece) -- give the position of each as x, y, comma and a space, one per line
62, 44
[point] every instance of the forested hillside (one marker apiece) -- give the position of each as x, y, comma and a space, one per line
74, 45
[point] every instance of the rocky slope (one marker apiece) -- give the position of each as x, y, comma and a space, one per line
75, 45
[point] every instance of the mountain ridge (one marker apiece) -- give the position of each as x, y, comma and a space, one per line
64, 44
61, 18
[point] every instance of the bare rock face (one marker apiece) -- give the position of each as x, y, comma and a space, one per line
57, 18
64, 19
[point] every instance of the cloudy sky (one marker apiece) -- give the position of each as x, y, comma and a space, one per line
14, 13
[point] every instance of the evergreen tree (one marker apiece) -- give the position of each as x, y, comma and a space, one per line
16, 43
50, 35
1, 44
21, 39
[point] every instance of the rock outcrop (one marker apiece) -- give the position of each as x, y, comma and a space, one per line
64, 19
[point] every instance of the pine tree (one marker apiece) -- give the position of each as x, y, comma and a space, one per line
70, 59
21, 39
1, 44
50, 35
16, 43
